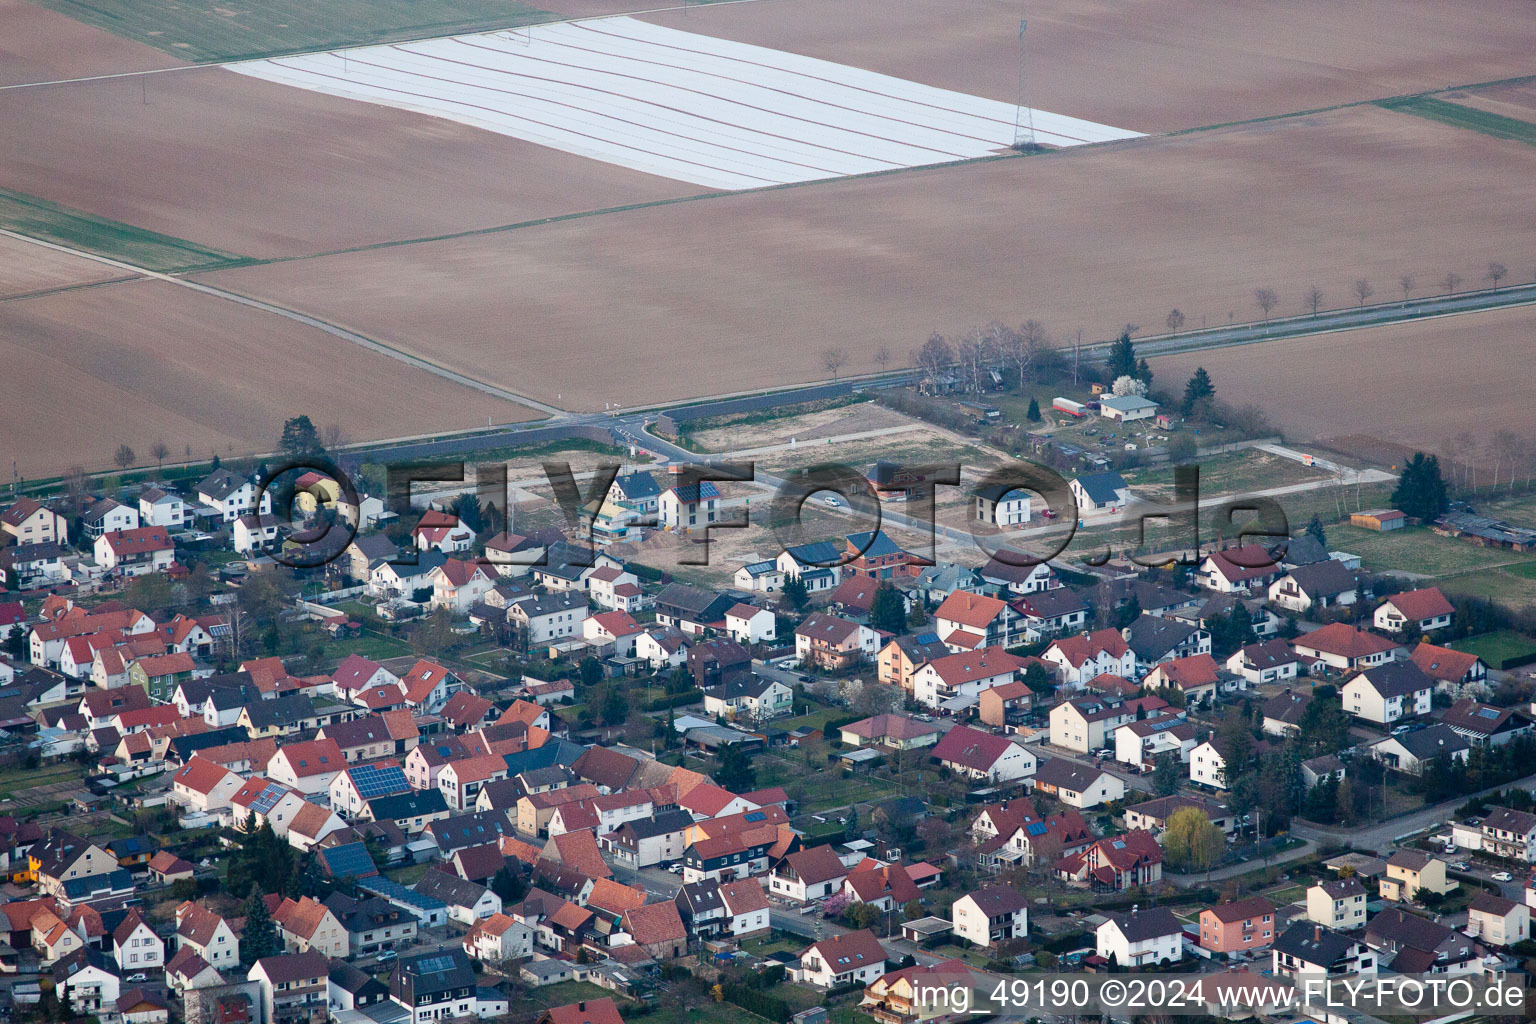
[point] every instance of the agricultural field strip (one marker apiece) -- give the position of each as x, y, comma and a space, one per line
693, 108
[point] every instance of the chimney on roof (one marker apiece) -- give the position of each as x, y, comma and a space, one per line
581, 1007
1317, 933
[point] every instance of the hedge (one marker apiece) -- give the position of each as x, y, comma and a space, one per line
676, 700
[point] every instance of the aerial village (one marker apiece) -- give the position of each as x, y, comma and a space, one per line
582, 790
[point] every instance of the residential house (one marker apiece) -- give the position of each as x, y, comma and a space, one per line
1142, 743
1316, 586
135, 552
749, 624
1246, 569
894, 732
1088, 723
657, 927
442, 532
1005, 706
984, 756
1082, 657
1002, 506
1155, 640
752, 698
1141, 938
1196, 676
159, 507
207, 934
1052, 612
230, 496
1457, 673
32, 522
1414, 611
1410, 872
294, 987
1284, 711
1337, 903
830, 642
1388, 693
808, 875
1238, 926
1077, 785
1306, 949
846, 959
968, 621
1412, 751
1496, 921
108, 515
1343, 647
990, 917
684, 507
1095, 492
966, 674
307, 924
1421, 946
902, 656
1484, 725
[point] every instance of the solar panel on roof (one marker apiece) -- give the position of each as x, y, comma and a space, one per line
754, 816
1037, 828
348, 860
434, 964
376, 780
1487, 713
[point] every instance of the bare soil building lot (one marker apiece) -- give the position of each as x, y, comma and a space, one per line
1417, 383
753, 286
138, 362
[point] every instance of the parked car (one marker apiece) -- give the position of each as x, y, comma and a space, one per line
387, 956
1503, 876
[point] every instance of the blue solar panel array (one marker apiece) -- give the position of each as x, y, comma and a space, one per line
373, 780
398, 893
268, 798
348, 860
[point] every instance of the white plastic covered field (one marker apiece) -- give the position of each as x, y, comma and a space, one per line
690, 107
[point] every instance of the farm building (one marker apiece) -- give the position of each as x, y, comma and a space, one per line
1124, 408
1490, 533
1381, 519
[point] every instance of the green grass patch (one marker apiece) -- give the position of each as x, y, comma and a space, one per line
1458, 116
1498, 649
51, 222
13, 780
1526, 570
370, 645
1417, 549
209, 31
567, 992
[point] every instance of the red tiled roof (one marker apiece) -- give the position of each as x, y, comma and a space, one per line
1421, 604
1442, 662
971, 748
973, 610
1343, 640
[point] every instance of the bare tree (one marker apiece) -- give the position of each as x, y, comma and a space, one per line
974, 354
1492, 451
1406, 284
1496, 273
160, 451
124, 457
1131, 329
1175, 321
1315, 298
882, 358
1465, 443
1363, 289
834, 359
934, 357
1266, 300
1451, 281
77, 487
334, 436
1506, 449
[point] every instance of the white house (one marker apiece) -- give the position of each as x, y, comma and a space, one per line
135, 552
1208, 765
162, 508
1002, 506
1419, 610
1142, 743
136, 946
1145, 936
108, 516
32, 522
759, 578
232, 496
254, 533
1097, 491
990, 916
687, 507
983, 756
748, 624
442, 531
1337, 903
1498, 921
1125, 408
1083, 657
1077, 785
964, 675
459, 585
1389, 692
1315, 586
547, 617
853, 957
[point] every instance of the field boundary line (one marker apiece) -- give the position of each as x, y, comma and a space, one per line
335, 330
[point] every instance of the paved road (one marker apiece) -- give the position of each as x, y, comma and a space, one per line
1380, 837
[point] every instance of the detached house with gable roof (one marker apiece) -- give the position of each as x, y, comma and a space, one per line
135, 552
1388, 692
1343, 647
32, 522
686, 507
1083, 657
1317, 585
853, 957
442, 531
1457, 673
1247, 568
1146, 935
231, 496
984, 756
1419, 611
966, 622
831, 642
990, 917
966, 674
